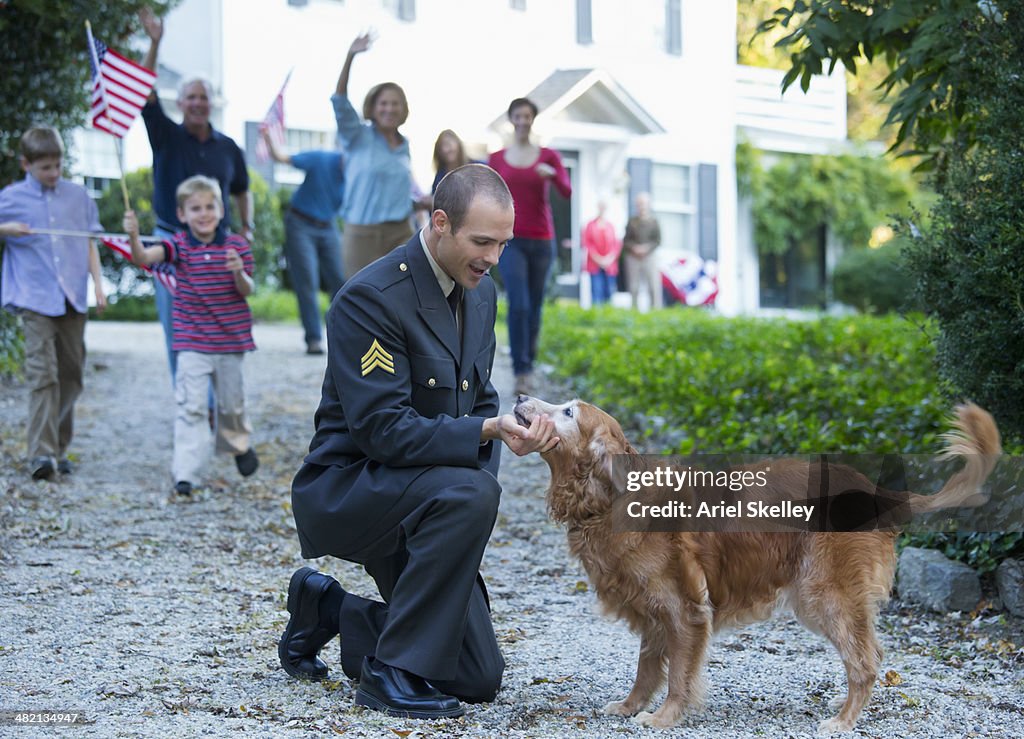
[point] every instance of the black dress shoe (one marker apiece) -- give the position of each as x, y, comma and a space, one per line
399, 693
43, 468
304, 636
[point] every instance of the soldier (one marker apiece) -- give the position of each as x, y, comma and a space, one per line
401, 476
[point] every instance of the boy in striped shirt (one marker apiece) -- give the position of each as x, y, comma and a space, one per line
212, 328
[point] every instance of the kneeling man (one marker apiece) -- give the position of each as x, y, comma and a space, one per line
401, 475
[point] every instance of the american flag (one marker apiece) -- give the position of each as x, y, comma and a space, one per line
273, 124
162, 272
119, 89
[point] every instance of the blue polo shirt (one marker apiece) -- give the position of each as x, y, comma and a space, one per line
378, 179
177, 155
323, 190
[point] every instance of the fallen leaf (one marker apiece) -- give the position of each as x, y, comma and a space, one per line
892, 679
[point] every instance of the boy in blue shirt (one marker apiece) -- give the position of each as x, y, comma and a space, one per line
45, 279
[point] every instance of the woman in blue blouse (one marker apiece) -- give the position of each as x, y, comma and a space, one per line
378, 179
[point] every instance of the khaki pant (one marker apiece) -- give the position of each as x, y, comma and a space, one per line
644, 274
191, 424
54, 359
364, 244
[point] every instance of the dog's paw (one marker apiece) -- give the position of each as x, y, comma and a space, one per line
653, 720
834, 726
619, 708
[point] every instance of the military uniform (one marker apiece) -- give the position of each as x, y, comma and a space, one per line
396, 477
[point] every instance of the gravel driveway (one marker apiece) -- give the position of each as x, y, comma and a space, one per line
154, 617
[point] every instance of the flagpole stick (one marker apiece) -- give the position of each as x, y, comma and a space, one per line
120, 165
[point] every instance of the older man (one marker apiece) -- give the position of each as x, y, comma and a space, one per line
401, 472
181, 150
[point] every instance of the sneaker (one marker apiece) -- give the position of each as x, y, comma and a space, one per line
43, 468
314, 347
64, 466
183, 487
247, 463
523, 384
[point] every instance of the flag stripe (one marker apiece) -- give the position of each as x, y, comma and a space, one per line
120, 88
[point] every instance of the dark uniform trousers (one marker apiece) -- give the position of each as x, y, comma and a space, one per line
418, 511
426, 556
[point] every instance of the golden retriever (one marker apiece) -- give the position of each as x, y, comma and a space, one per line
677, 589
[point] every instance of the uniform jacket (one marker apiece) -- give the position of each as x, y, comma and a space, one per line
401, 394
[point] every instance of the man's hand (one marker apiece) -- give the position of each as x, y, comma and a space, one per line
540, 437
101, 300
152, 24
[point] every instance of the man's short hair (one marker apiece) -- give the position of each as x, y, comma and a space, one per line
189, 81
371, 100
41, 141
457, 190
198, 183
521, 102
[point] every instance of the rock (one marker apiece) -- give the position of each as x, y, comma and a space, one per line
928, 577
1010, 581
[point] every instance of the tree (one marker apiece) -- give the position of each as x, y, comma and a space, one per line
45, 61
921, 41
962, 65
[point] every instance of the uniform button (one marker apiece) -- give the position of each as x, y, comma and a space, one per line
431, 382
465, 384
403, 266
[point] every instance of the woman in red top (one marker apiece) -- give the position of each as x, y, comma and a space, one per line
529, 171
602, 247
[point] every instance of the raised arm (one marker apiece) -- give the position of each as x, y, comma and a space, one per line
275, 152
154, 27
361, 44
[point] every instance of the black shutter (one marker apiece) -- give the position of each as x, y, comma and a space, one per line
639, 171
707, 211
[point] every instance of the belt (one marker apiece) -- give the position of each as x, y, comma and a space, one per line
308, 219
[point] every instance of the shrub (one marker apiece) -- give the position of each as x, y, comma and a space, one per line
873, 280
12, 344
970, 264
752, 385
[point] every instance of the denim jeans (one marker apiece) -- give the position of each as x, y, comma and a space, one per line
314, 261
164, 304
602, 285
524, 267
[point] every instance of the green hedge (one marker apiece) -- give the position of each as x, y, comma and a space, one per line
762, 386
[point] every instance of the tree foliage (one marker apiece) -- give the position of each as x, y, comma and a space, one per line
793, 195
921, 41
970, 262
45, 61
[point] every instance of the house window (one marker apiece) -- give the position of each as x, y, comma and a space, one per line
517, 4
584, 23
404, 10
673, 203
673, 27
298, 139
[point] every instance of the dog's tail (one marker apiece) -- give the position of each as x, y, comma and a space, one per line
975, 438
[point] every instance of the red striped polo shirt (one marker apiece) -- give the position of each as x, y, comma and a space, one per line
209, 314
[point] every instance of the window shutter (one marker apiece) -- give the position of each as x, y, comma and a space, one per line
707, 211
639, 171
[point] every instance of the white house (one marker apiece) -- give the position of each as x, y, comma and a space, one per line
640, 95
